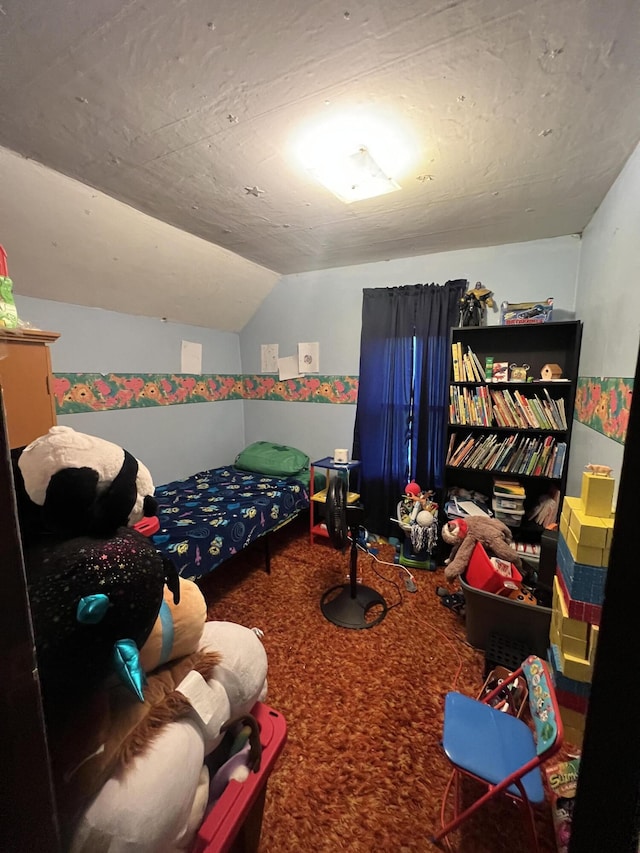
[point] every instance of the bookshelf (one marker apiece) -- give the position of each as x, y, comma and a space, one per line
517, 430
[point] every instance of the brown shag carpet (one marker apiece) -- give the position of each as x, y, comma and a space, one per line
362, 769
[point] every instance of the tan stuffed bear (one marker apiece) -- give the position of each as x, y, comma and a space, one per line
463, 533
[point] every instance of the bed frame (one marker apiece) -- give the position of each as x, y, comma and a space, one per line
209, 517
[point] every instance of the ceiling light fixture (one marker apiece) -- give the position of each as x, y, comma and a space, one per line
354, 177
356, 157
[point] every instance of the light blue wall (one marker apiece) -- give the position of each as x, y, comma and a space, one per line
173, 441
326, 306
609, 305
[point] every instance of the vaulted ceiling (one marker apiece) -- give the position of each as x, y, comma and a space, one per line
519, 113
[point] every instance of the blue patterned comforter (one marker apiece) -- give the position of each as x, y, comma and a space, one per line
212, 515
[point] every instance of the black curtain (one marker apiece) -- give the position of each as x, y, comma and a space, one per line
402, 392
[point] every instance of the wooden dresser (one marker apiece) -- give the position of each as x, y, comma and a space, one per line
26, 379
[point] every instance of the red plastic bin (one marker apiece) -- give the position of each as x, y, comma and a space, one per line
482, 574
235, 821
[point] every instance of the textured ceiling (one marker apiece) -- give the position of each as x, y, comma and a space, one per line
523, 113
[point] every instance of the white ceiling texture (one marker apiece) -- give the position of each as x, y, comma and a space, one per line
520, 114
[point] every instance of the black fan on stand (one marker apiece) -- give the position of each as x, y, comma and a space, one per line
349, 604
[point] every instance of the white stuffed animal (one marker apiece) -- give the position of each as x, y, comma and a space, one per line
156, 804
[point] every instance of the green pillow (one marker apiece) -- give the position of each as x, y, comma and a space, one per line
275, 460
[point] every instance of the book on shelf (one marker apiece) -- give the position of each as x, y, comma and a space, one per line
508, 487
469, 406
515, 410
455, 362
500, 371
488, 368
452, 441
459, 453
541, 464
533, 456
478, 370
558, 465
466, 365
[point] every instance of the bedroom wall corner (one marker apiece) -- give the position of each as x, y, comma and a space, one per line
608, 303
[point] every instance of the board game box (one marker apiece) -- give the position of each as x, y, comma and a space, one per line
521, 313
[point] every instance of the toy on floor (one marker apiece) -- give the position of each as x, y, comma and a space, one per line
417, 517
453, 600
463, 533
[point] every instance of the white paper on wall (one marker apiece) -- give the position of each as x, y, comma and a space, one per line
269, 358
309, 357
288, 367
191, 357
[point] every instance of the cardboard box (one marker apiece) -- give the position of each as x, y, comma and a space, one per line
589, 530
570, 635
597, 494
584, 554
522, 313
570, 504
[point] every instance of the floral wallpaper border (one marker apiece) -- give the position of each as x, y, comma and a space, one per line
602, 403
98, 392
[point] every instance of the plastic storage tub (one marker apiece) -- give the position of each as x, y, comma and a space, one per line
235, 821
487, 613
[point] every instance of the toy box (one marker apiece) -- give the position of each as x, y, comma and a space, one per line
562, 777
521, 313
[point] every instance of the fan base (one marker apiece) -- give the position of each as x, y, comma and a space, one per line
349, 611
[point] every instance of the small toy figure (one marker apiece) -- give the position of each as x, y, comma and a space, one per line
518, 373
599, 470
474, 304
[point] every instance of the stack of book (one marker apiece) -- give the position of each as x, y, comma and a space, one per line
533, 456
466, 365
508, 501
513, 409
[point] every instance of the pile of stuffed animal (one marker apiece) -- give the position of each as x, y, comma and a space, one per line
138, 687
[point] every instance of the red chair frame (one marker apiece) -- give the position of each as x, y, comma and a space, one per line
499, 750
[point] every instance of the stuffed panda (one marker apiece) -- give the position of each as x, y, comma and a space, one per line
95, 584
84, 485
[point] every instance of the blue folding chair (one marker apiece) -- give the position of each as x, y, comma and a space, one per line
500, 750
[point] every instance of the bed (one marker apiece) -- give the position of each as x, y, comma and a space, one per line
213, 515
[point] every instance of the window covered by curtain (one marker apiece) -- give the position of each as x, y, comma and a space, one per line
402, 392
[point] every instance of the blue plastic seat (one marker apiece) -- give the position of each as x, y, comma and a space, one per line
500, 750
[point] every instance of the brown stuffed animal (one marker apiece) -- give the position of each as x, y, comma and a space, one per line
463, 533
